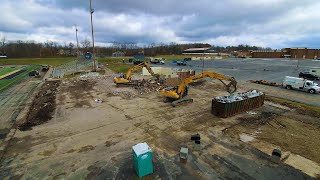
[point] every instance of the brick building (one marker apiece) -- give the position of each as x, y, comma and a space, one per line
267, 54
294, 53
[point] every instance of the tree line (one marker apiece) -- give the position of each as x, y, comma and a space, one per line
32, 49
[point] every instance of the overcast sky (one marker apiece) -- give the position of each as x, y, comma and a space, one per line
267, 23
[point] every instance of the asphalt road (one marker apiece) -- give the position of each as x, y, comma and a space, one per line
247, 69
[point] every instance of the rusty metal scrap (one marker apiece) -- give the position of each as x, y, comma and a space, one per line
226, 106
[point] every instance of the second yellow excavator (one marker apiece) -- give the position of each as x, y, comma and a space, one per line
125, 79
177, 94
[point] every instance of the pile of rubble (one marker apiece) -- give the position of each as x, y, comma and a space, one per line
148, 86
238, 96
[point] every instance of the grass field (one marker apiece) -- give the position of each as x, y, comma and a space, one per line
6, 83
61, 60
114, 63
37, 61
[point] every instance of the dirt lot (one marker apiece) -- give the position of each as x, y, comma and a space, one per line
89, 140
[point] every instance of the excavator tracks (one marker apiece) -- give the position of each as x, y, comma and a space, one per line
181, 101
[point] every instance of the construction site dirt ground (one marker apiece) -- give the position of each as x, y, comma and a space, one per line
88, 140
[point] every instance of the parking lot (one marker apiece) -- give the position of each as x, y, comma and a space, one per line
247, 69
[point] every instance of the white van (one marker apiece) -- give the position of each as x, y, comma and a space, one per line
157, 60
300, 84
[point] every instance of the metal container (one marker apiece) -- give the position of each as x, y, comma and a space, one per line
228, 109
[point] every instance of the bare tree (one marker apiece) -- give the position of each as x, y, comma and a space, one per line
71, 47
3, 43
86, 44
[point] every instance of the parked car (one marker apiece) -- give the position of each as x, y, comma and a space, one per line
34, 73
308, 75
300, 84
3, 55
45, 67
136, 62
181, 63
157, 60
187, 59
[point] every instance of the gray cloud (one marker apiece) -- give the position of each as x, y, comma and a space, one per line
275, 23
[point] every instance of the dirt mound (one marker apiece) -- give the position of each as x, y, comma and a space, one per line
42, 107
148, 86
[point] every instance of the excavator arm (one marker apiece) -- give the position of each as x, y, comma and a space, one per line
179, 92
127, 78
207, 74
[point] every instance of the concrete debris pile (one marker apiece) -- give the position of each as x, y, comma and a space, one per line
148, 86
89, 75
238, 97
123, 93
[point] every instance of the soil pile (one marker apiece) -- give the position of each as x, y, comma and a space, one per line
43, 106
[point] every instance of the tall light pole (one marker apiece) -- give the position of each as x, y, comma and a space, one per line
77, 40
93, 52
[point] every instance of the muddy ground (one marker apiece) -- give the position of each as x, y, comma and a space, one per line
89, 140
42, 107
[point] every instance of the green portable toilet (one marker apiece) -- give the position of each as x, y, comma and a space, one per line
142, 157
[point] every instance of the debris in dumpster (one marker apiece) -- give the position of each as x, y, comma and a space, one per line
226, 106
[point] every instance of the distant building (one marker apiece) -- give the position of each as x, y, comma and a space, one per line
267, 54
302, 53
202, 51
118, 54
242, 54
195, 50
295, 53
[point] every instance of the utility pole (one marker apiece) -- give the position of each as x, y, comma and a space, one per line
203, 60
78, 53
93, 52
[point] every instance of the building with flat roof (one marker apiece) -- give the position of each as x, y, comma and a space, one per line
294, 53
198, 51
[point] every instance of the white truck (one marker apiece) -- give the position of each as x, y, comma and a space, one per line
157, 60
300, 84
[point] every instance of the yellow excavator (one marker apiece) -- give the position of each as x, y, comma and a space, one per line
125, 79
177, 94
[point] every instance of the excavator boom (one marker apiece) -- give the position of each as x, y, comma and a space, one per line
126, 79
208, 74
179, 92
